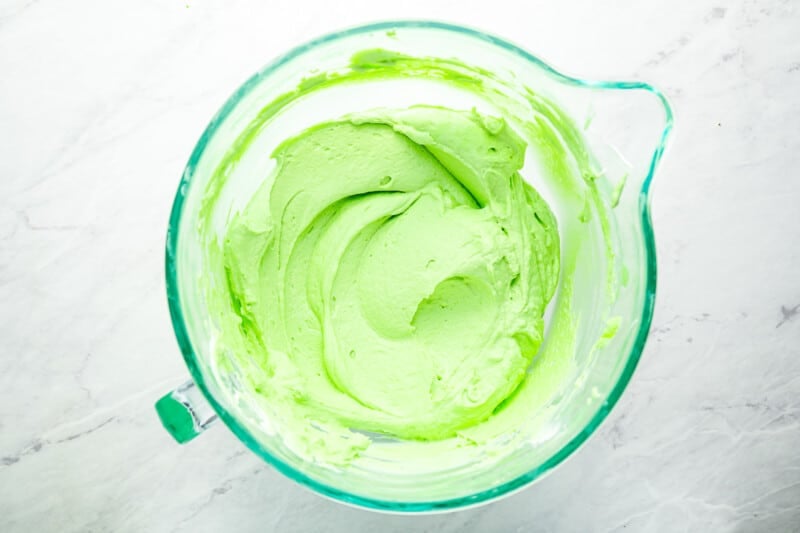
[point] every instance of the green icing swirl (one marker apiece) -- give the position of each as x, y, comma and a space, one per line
400, 266
392, 274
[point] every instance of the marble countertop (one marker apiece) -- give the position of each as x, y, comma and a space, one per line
100, 105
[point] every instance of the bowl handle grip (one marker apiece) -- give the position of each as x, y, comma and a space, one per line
185, 413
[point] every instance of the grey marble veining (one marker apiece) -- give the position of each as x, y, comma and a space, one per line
100, 105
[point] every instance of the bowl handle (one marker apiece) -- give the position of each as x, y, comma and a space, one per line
185, 413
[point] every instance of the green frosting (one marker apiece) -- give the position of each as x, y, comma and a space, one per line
396, 270
390, 277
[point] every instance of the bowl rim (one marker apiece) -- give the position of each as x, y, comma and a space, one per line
484, 496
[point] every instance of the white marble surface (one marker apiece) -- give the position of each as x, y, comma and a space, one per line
100, 105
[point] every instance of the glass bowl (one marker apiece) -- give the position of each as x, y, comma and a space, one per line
606, 139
